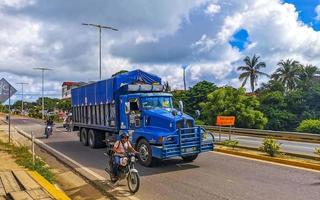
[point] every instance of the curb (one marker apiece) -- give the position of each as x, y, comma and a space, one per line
51, 189
271, 159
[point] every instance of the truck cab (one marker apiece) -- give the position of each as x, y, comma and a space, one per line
158, 130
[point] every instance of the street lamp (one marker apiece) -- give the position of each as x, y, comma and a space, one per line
22, 95
184, 67
42, 70
99, 26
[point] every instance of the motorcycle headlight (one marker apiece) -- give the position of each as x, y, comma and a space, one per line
133, 159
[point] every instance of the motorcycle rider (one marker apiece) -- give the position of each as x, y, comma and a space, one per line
120, 148
49, 122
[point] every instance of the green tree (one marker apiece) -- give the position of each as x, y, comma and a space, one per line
251, 71
231, 101
195, 95
273, 104
64, 104
309, 126
307, 75
119, 72
288, 73
49, 103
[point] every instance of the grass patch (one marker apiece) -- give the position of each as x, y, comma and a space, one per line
23, 158
230, 143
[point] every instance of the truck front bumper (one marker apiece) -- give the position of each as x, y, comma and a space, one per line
188, 141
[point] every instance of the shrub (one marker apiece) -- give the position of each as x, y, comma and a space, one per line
309, 126
270, 146
230, 143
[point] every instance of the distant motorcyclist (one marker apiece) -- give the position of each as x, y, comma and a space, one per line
49, 123
120, 148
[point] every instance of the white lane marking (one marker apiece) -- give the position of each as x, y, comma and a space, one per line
75, 163
269, 162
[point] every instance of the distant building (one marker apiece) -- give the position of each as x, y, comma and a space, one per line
67, 86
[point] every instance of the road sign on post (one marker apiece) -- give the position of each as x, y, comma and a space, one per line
225, 121
6, 91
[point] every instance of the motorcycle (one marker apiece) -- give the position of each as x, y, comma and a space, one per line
127, 170
48, 131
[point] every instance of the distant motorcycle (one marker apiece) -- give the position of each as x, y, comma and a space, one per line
127, 171
48, 131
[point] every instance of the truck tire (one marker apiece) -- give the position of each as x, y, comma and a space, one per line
145, 153
84, 137
95, 139
190, 158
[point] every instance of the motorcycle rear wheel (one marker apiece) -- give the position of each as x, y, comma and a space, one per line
133, 182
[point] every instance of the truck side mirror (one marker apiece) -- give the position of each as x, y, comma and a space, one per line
127, 104
181, 106
197, 113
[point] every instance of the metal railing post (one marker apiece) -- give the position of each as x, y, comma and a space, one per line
32, 146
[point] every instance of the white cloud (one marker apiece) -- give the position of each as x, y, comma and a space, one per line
15, 3
212, 9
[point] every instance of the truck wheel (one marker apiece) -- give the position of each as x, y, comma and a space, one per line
84, 137
145, 153
95, 139
189, 158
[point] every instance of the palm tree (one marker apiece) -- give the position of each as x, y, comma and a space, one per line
251, 71
288, 73
307, 75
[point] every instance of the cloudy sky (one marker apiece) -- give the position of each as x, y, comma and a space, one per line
211, 36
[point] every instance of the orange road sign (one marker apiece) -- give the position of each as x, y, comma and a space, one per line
226, 120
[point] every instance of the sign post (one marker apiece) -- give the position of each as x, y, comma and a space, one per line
225, 121
6, 91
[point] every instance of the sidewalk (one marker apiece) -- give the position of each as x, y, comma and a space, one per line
73, 185
17, 183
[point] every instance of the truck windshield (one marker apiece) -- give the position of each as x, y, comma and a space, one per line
156, 102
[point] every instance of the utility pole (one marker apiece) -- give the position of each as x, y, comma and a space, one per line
22, 95
42, 70
184, 67
99, 26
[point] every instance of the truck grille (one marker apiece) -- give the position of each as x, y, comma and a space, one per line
184, 124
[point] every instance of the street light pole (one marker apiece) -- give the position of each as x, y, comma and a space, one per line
42, 70
99, 26
184, 67
22, 95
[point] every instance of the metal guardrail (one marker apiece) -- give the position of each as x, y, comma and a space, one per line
306, 137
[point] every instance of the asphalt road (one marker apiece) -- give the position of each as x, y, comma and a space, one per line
286, 146
212, 176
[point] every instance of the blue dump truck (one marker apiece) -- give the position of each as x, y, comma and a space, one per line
136, 102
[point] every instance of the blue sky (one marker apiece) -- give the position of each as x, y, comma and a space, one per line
211, 36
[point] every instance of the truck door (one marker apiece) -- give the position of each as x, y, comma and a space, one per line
134, 113
129, 113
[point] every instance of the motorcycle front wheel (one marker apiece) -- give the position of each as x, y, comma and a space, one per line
133, 182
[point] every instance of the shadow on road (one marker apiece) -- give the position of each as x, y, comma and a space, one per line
165, 166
